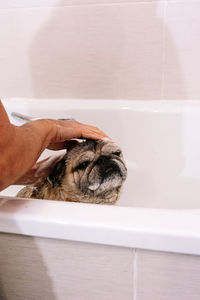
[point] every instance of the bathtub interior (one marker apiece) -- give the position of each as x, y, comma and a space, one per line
160, 142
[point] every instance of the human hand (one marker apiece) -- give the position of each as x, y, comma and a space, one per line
21, 146
60, 132
67, 130
39, 171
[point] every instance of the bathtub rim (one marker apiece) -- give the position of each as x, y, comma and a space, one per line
168, 230
154, 106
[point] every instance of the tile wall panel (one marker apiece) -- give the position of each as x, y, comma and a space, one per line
100, 49
96, 51
182, 47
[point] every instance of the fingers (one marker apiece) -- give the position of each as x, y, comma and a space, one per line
44, 167
67, 130
39, 171
62, 145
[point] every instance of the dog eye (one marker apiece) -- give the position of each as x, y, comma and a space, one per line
83, 165
117, 153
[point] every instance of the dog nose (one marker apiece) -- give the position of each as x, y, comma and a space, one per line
103, 160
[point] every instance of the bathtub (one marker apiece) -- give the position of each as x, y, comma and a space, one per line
157, 218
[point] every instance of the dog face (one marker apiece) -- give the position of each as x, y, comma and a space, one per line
91, 171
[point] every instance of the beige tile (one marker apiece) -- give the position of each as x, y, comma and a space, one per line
50, 269
166, 276
182, 63
100, 51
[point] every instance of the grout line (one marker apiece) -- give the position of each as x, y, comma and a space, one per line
163, 51
135, 275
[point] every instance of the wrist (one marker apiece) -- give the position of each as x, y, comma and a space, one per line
43, 131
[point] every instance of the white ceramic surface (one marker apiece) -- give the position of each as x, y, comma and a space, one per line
159, 208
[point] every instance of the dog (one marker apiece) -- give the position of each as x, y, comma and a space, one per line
90, 171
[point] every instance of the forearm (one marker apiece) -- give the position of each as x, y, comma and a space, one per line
21, 147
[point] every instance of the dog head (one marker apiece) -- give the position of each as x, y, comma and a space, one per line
91, 171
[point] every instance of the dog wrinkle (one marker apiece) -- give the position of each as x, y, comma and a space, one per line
89, 185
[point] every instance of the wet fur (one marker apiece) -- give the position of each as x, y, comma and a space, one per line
68, 182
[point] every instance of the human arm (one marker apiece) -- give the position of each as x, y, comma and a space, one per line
20, 147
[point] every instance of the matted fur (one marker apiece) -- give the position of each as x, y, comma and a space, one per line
91, 172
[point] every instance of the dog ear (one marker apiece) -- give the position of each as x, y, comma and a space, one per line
58, 172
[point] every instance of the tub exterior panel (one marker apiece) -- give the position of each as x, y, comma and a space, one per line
49, 269
167, 276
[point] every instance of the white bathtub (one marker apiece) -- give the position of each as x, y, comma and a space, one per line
159, 208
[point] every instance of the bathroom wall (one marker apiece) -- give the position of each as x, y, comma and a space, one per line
114, 49
49, 269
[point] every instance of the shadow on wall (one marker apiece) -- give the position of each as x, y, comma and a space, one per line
102, 52
23, 274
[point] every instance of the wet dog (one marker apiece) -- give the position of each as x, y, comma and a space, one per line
90, 172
